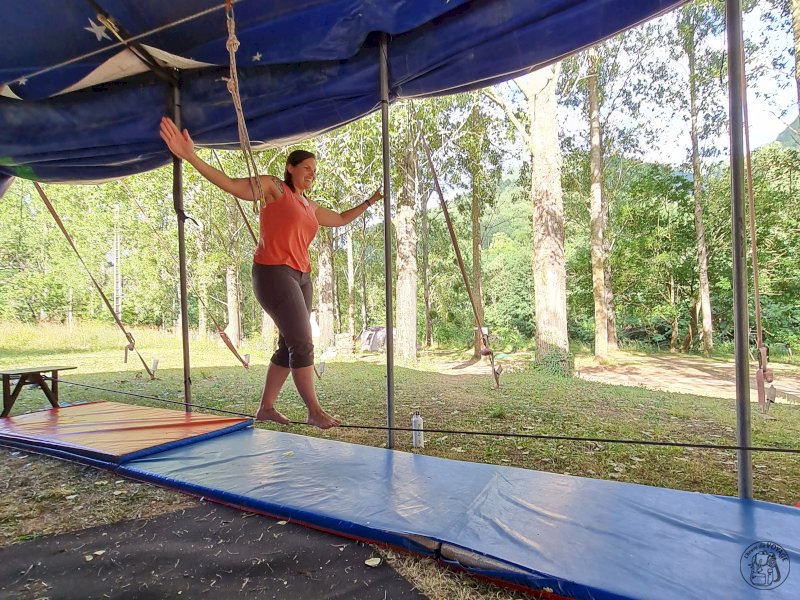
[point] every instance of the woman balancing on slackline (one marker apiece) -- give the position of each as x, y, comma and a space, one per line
281, 265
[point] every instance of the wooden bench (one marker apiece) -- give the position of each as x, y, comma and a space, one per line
34, 375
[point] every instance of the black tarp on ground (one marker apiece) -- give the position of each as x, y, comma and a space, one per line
210, 552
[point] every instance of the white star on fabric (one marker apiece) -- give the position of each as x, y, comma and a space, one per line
22, 81
98, 30
257, 57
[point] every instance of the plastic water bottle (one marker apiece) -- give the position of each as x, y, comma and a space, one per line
417, 435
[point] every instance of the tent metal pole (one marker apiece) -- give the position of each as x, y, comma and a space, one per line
387, 239
177, 202
740, 307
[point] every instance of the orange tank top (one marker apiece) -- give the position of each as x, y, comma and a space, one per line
287, 227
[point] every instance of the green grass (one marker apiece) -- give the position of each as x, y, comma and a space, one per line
529, 402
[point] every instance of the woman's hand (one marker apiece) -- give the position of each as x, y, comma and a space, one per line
180, 144
375, 197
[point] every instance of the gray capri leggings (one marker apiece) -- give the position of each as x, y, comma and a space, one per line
285, 295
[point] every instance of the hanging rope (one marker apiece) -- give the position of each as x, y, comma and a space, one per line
220, 331
764, 373
233, 87
486, 350
530, 436
244, 139
131, 342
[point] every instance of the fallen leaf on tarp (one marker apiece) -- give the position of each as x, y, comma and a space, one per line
373, 562
99, 552
282, 522
288, 453
88, 558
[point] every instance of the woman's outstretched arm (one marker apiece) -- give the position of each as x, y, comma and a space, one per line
182, 146
329, 218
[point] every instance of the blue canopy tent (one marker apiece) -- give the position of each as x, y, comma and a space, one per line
78, 105
84, 84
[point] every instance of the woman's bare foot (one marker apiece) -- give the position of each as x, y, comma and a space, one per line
322, 420
270, 414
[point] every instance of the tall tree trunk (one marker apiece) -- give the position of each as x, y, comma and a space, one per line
426, 282
549, 268
232, 287
364, 310
613, 340
692, 333
700, 233
117, 265
597, 219
325, 290
475, 218
268, 332
202, 286
673, 300
232, 279
363, 279
176, 301
351, 287
405, 230
477, 281
202, 314
337, 306
70, 313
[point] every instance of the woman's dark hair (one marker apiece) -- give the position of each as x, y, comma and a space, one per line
294, 159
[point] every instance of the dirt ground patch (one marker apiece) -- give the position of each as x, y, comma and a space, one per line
684, 374
678, 373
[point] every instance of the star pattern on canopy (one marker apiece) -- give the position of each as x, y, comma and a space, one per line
98, 30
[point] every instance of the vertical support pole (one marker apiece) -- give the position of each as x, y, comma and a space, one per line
177, 202
387, 239
740, 312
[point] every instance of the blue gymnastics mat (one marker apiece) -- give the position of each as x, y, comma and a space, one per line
570, 536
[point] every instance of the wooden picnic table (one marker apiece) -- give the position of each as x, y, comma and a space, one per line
33, 375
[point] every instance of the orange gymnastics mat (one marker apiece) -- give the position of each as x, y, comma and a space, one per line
112, 432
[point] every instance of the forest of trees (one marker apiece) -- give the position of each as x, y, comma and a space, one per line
571, 231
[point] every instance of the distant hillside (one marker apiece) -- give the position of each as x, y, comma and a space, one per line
790, 137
